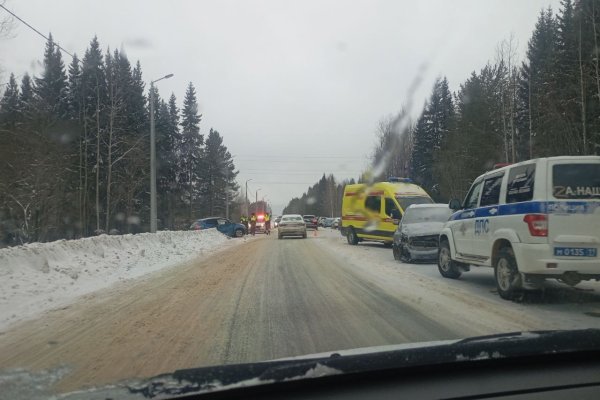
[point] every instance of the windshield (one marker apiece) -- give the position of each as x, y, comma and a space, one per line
406, 201
287, 219
432, 214
204, 183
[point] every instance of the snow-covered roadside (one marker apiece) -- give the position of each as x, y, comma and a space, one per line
471, 302
42, 276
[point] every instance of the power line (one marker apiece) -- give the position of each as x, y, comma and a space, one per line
260, 157
285, 183
325, 171
36, 31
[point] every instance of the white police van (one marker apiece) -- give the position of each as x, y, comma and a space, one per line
530, 221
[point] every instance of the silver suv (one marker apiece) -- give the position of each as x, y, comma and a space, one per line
530, 221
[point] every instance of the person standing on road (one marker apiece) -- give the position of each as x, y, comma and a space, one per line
253, 224
268, 223
244, 221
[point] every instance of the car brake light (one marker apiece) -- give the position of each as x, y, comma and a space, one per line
537, 223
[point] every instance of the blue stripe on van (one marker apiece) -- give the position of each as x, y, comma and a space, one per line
529, 207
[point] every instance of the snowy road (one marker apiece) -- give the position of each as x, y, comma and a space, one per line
269, 298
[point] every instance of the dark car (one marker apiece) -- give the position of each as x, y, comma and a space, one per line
223, 225
417, 235
311, 221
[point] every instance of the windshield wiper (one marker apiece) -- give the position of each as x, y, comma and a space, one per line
492, 347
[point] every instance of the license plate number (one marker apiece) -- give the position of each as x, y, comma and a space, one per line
575, 252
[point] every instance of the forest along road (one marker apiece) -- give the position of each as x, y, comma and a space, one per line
261, 300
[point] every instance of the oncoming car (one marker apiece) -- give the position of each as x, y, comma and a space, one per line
530, 221
291, 225
418, 232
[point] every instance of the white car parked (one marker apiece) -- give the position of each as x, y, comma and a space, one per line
530, 221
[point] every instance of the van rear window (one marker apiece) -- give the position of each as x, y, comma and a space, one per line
576, 181
520, 183
406, 201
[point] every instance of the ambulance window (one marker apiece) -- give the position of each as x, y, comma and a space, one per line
373, 203
520, 184
390, 206
491, 191
473, 196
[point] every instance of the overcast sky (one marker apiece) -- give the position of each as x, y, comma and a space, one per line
295, 88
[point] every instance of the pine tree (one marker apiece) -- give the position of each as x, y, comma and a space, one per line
138, 118
165, 163
572, 100
217, 174
10, 105
26, 98
133, 172
539, 90
94, 90
51, 86
432, 127
74, 95
191, 147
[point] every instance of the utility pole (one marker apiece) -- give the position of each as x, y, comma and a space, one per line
256, 199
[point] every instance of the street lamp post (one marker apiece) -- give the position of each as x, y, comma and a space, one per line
247, 204
256, 198
153, 157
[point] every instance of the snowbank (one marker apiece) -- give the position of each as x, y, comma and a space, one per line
41, 276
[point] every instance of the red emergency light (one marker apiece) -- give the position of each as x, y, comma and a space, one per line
501, 165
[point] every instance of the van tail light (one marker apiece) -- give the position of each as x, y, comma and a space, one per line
537, 223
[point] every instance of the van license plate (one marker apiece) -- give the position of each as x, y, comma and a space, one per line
575, 252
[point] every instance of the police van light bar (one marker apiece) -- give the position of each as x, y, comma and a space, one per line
397, 179
500, 165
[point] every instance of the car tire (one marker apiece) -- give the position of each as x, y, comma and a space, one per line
238, 233
506, 273
304, 236
387, 245
351, 237
405, 255
396, 252
279, 236
447, 267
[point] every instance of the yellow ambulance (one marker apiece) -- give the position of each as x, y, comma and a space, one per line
371, 212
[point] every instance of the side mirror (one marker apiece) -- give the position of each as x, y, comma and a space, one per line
454, 204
